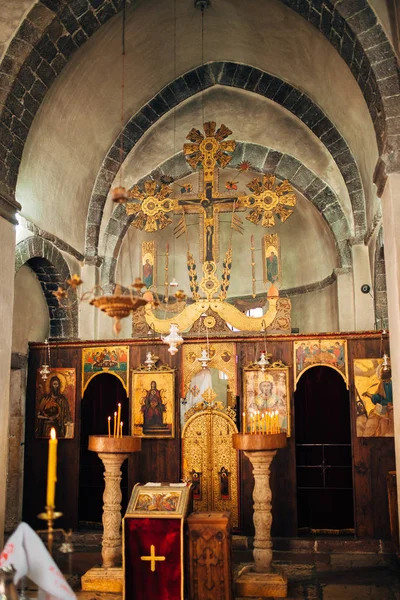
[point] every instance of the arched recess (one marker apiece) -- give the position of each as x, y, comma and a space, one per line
264, 160
51, 269
380, 295
323, 453
53, 31
232, 75
99, 401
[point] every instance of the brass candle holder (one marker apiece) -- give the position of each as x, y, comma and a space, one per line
50, 516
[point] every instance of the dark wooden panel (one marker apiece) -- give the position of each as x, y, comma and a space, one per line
159, 460
373, 458
283, 468
36, 450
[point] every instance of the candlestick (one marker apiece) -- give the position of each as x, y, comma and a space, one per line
244, 422
115, 424
119, 418
109, 426
52, 470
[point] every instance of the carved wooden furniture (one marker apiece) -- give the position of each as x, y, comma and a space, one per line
153, 541
210, 565
112, 451
261, 579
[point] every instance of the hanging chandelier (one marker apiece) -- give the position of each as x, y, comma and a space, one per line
45, 368
173, 339
263, 361
204, 358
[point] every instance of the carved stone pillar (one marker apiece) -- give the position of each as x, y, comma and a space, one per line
260, 579
111, 545
112, 452
262, 516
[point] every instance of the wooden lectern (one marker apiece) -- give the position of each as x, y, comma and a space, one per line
153, 542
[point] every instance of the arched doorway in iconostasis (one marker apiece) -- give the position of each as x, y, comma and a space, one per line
207, 423
100, 400
323, 453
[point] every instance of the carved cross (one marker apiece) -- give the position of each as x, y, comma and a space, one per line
208, 560
209, 396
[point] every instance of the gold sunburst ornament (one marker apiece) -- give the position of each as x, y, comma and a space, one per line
268, 198
150, 206
209, 149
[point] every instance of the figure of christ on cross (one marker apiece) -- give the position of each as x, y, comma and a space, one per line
205, 205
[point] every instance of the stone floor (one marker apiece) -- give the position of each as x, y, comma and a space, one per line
316, 569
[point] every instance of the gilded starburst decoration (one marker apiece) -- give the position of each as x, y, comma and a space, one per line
209, 149
150, 206
268, 198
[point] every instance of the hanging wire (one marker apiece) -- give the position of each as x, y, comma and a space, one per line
174, 148
202, 60
121, 147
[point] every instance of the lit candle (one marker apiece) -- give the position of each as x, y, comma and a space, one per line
265, 422
119, 418
115, 424
109, 426
258, 422
244, 422
52, 470
121, 428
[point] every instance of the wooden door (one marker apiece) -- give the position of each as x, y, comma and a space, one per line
323, 453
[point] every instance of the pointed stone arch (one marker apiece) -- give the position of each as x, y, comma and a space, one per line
232, 75
53, 31
264, 160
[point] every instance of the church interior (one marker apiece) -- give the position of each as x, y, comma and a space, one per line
200, 274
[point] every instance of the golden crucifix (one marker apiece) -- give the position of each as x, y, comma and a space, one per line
152, 205
152, 558
155, 202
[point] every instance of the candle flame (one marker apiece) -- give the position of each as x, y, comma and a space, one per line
53, 433
109, 418
115, 414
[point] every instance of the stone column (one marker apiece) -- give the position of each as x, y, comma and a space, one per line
15, 474
345, 294
262, 516
391, 235
8, 209
112, 545
88, 315
363, 303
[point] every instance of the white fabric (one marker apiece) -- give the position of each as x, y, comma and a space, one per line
198, 385
29, 556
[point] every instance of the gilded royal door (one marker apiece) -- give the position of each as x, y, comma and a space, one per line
210, 461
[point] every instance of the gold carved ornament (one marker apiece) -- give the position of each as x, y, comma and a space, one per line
209, 149
206, 447
266, 199
222, 357
150, 206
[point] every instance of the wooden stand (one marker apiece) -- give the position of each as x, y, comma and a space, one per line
210, 567
261, 579
112, 451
